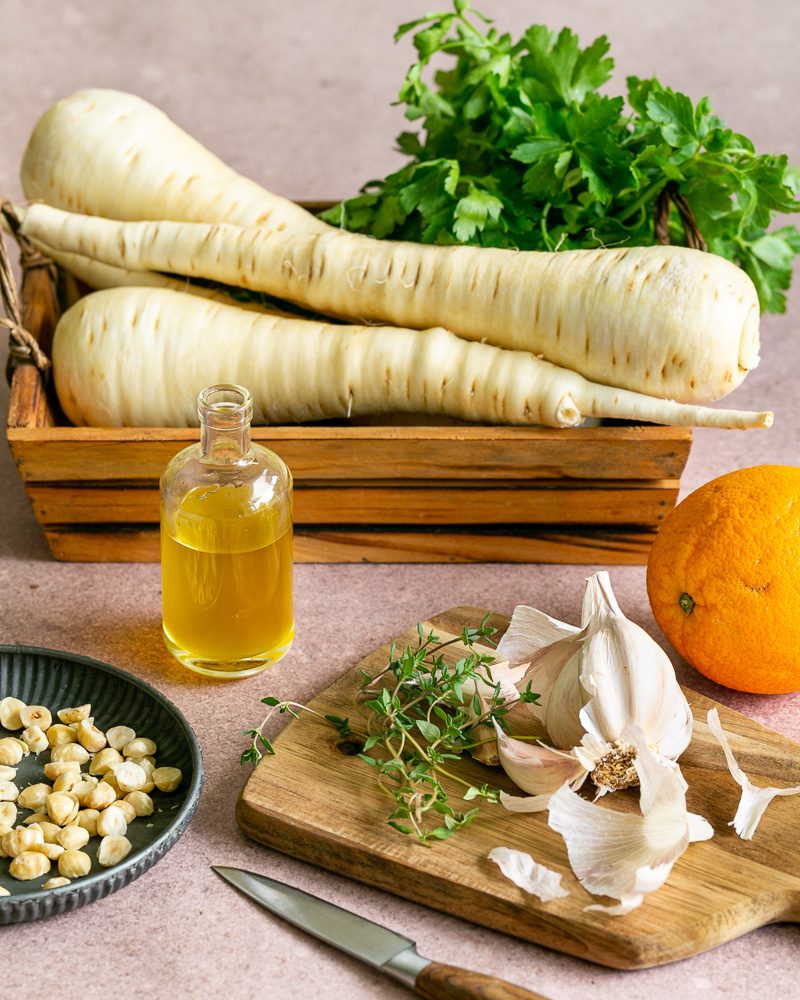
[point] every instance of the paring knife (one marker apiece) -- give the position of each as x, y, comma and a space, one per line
374, 944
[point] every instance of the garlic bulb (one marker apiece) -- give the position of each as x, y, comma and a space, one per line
624, 855
594, 683
754, 800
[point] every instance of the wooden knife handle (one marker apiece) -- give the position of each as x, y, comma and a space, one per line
448, 982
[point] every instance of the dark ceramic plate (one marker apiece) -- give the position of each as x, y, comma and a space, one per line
61, 680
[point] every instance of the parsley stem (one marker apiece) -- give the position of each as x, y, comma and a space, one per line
649, 195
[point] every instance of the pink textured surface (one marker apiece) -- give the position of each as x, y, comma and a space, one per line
298, 96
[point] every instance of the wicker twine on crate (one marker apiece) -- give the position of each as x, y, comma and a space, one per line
670, 195
23, 347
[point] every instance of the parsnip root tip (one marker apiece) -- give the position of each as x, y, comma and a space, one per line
567, 413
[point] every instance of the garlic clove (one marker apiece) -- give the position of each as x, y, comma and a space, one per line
497, 679
628, 678
563, 710
624, 855
524, 872
754, 800
537, 769
486, 749
554, 674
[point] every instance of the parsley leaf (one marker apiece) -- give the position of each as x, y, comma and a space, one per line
556, 68
473, 211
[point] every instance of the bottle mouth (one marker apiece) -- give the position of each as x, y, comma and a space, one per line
225, 405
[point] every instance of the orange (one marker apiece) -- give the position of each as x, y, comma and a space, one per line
723, 579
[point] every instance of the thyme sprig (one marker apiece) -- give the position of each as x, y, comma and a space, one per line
417, 718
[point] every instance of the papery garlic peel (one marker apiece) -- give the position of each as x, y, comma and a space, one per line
754, 800
627, 855
526, 873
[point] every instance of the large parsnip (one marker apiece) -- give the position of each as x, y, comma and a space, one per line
665, 321
139, 356
105, 152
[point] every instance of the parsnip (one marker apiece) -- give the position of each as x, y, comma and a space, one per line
104, 152
666, 321
98, 276
139, 356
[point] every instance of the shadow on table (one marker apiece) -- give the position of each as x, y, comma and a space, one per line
20, 535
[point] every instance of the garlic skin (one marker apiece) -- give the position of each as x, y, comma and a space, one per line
502, 674
754, 800
596, 681
537, 769
524, 872
624, 855
529, 631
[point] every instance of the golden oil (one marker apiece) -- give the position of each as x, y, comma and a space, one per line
226, 548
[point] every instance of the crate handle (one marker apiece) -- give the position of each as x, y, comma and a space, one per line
23, 348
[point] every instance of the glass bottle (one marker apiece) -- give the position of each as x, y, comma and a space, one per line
226, 545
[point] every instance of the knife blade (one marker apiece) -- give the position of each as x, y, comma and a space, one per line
376, 945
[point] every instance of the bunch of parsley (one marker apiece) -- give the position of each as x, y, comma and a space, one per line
518, 149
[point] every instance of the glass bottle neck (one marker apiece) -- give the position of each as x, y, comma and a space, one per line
225, 412
224, 445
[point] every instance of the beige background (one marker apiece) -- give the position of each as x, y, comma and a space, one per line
298, 96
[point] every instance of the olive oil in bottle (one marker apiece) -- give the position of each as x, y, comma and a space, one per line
226, 545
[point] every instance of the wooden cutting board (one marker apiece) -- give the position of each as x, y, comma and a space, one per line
314, 803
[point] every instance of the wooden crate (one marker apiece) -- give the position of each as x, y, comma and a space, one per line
364, 492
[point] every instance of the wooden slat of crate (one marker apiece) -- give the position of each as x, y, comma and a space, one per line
442, 503
344, 544
88, 454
